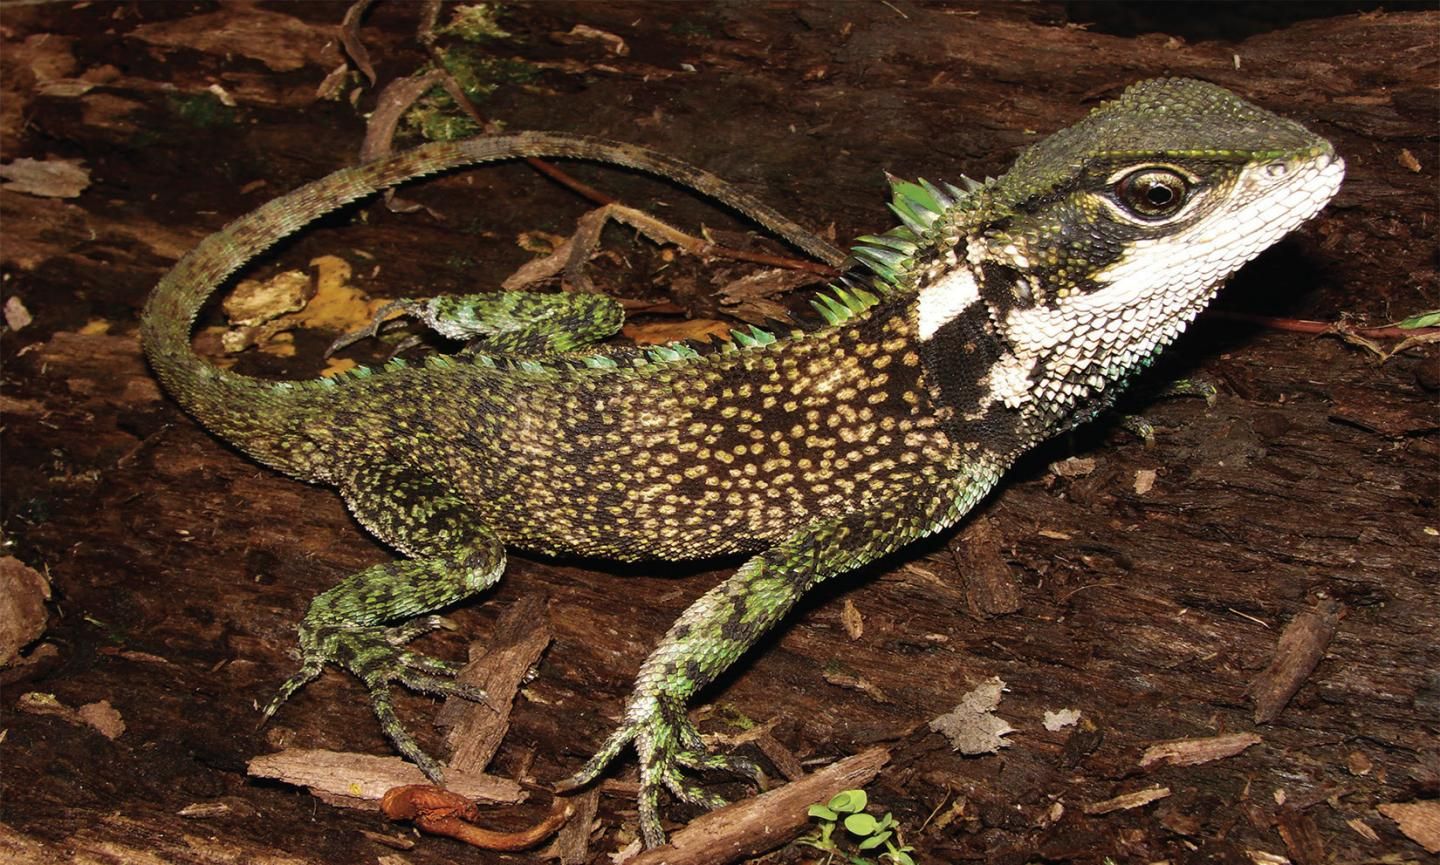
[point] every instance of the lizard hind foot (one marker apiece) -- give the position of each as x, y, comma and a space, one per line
668, 744
376, 656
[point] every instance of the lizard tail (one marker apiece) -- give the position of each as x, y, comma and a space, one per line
268, 419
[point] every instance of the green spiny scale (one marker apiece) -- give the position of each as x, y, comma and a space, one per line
666, 353
395, 363
753, 338
887, 258
917, 222
943, 198
854, 299
834, 312
439, 361
998, 314
967, 186
887, 274
865, 298
904, 246
918, 198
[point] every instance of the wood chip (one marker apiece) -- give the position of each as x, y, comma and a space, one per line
851, 620
752, 827
1126, 801
1419, 821
1301, 836
1299, 650
572, 843
1191, 752
498, 666
360, 780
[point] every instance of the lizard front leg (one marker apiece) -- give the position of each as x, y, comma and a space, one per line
719, 627
451, 557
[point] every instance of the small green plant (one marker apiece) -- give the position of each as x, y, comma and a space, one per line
847, 808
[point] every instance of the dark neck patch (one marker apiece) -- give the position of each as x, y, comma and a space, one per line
958, 359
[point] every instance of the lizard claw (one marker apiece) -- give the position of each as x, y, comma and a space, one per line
377, 323
376, 656
667, 742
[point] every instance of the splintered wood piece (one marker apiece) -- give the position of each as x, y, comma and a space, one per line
1126, 801
1298, 651
498, 666
572, 844
1191, 752
752, 827
360, 780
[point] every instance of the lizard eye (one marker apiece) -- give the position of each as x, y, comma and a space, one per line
1152, 193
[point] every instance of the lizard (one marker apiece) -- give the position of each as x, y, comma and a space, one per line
996, 315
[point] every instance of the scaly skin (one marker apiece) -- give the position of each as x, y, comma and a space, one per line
995, 317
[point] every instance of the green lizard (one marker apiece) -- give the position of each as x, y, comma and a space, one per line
995, 316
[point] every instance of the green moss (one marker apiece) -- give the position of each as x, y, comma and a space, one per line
202, 111
477, 22
436, 117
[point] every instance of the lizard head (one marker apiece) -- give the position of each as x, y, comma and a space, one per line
1103, 241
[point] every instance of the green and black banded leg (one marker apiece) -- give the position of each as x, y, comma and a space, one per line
451, 557
519, 323
1141, 428
726, 621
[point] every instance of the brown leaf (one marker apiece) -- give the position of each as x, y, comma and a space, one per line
1419, 821
662, 332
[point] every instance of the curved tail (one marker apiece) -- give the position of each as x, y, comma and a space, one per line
267, 419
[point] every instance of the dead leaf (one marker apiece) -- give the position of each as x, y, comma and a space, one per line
972, 726
16, 315
103, 718
753, 295
662, 332
49, 178
23, 593
256, 301
585, 33
1419, 821
267, 310
1059, 720
282, 42
1073, 467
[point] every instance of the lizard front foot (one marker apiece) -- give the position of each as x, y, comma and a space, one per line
376, 656
667, 743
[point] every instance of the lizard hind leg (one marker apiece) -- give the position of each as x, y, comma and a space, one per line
451, 556
724, 622
508, 322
